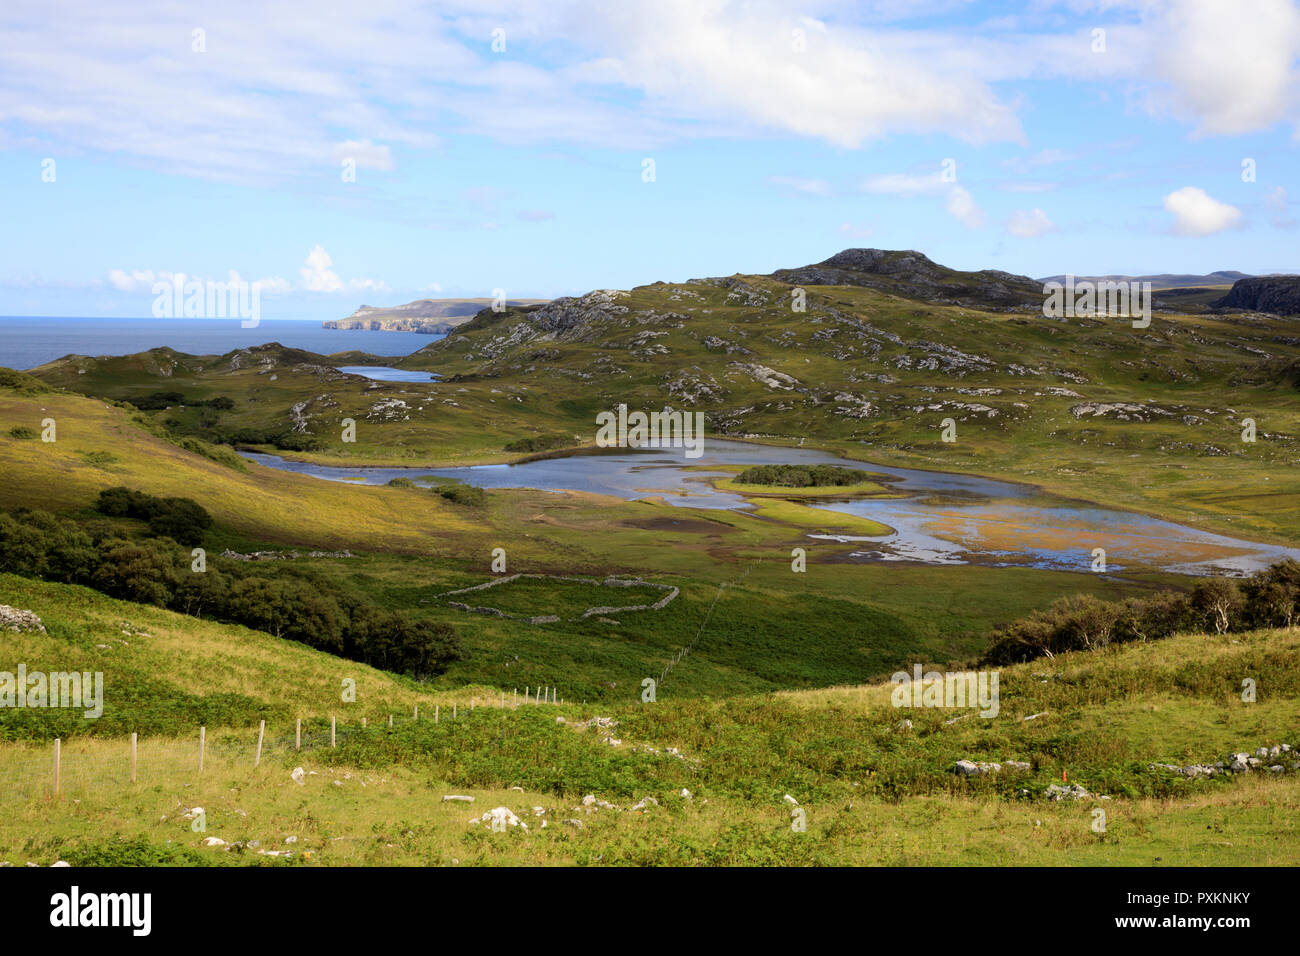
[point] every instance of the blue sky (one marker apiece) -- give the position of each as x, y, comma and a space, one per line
1039, 138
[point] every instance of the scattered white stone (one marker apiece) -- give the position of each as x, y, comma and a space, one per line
499, 815
298, 776
973, 768
457, 797
1072, 791
13, 619
213, 841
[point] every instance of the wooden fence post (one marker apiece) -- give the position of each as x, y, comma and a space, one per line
417, 712
58, 756
390, 721
516, 697
363, 722
261, 731
453, 710
203, 740
133, 741
333, 728
297, 735
435, 713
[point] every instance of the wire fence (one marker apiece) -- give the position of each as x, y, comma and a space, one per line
66, 769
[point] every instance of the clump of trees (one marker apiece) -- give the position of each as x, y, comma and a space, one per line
462, 494
158, 570
156, 401
1268, 598
280, 438
183, 520
539, 443
801, 476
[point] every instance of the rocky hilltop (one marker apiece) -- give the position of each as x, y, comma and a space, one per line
1279, 295
426, 316
915, 276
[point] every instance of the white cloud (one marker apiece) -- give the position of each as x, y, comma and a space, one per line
814, 187
1230, 68
317, 276
275, 285
854, 232
134, 281
906, 184
143, 280
365, 154
957, 200
961, 206
287, 88
1279, 208
536, 215
1029, 225
1198, 214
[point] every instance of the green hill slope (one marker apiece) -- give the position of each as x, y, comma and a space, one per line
873, 789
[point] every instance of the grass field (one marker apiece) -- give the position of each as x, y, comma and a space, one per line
872, 791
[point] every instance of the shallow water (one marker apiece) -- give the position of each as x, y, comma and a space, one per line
383, 373
941, 518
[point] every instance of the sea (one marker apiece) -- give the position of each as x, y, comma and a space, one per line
29, 341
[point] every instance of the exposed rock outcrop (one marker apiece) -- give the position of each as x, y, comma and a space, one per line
1277, 294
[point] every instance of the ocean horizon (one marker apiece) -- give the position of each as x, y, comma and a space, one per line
30, 341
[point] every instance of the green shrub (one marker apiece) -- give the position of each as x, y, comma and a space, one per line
295, 442
22, 383
539, 443
222, 456
181, 519
22, 431
156, 401
99, 458
463, 494
801, 476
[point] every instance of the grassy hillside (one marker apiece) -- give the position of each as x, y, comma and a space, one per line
414, 545
1091, 408
872, 791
